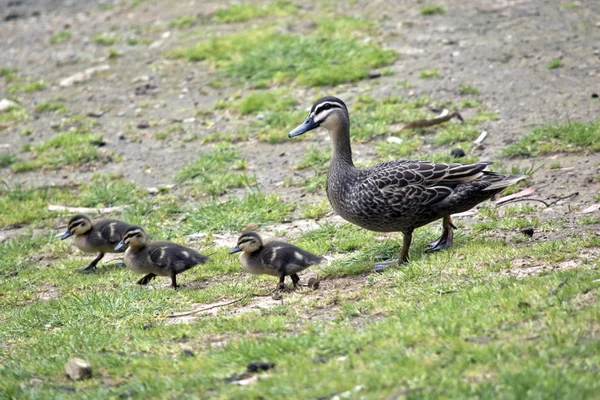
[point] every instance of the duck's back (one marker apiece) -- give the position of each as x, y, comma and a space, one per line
163, 258
402, 195
277, 258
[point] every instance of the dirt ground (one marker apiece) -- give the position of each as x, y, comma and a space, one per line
500, 47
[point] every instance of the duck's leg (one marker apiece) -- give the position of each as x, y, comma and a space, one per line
447, 236
295, 279
281, 284
406, 241
146, 279
92, 265
174, 281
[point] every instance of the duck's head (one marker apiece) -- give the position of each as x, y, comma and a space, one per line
133, 237
78, 225
249, 242
329, 112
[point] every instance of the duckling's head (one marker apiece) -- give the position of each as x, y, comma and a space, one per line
249, 242
328, 112
133, 237
78, 225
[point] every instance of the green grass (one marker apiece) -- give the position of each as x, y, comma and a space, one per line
60, 37
267, 55
553, 64
57, 107
314, 158
432, 9
74, 148
216, 171
26, 86
429, 73
6, 160
273, 100
106, 38
245, 11
182, 22
12, 115
468, 90
571, 137
233, 215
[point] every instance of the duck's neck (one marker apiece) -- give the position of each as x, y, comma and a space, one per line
342, 151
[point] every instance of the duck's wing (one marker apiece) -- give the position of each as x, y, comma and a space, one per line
174, 257
287, 258
111, 230
422, 183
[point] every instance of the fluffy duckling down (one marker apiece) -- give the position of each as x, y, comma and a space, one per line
273, 258
98, 237
156, 258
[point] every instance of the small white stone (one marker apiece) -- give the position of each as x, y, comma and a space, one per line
78, 369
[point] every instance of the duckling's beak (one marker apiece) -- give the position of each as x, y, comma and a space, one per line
66, 235
236, 249
120, 245
308, 125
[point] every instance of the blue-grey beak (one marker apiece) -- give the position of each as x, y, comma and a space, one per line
120, 245
236, 249
65, 235
308, 125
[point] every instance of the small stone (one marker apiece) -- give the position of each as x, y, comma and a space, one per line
260, 366
95, 114
5, 104
143, 125
82, 76
319, 360
313, 283
457, 152
127, 394
153, 190
523, 304
594, 95
260, 116
394, 139
147, 327
78, 369
374, 75
528, 231
188, 353
277, 296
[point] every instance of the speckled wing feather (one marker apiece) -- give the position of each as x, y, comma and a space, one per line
287, 258
406, 184
174, 257
111, 230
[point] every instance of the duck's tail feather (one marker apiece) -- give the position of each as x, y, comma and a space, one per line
499, 181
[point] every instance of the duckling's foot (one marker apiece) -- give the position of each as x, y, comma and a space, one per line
383, 265
146, 279
280, 286
87, 269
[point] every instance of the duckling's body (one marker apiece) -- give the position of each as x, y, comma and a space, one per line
273, 258
98, 237
400, 195
157, 258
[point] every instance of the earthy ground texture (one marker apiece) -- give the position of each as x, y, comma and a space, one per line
174, 115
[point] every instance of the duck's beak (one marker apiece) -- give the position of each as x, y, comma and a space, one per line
236, 249
65, 235
120, 245
308, 125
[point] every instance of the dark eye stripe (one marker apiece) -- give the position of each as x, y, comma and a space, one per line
326, 106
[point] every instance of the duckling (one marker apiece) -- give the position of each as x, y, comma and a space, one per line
400, 195
274, 258
156, 258
99, 237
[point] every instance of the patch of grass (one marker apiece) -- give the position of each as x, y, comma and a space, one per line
26, 86
233, 215
429, 73
216, 171
314, 158
182, 22
12, 115
468, 90
106, 38
57, 107
266, 55
66, 148
553, 64
113, 53
555, 165
469, 103
403, 146
6, 160
432, 9
245, 11
107, 190
60, 37
457, 133
316, 210
571, 137
273, 100
9, 74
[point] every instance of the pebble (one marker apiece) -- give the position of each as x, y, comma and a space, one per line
457, 152
5, 104
78, 369
260, 366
